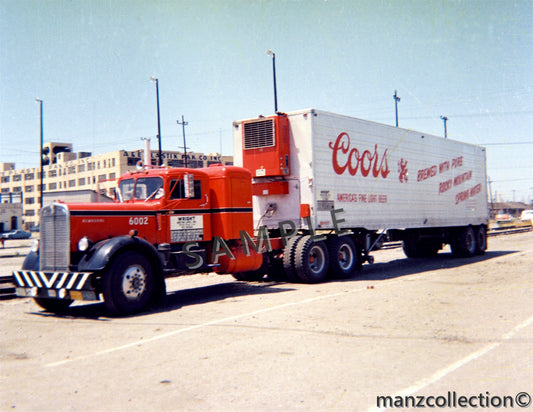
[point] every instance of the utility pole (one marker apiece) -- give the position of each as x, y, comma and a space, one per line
183, 124
396, 100
156, 80
41, 148
445, 119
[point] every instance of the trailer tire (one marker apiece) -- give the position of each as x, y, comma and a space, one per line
410, 249
465, 243
311, 260
481, 240
128, 283
421, 249
343, 257
288, 258
53, 305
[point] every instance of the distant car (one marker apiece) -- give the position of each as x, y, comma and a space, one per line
16, 234
504, 217
526, 215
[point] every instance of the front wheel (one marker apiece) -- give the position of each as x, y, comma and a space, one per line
128, 283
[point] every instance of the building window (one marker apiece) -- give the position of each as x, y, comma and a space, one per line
101, 177
90, 166
72, 183
28, 189
113, 162
112, 176
52, 186
29, 176
52, 173
81, 168
81, 182
17, 189
72, 170
5, 179
17, 178
132, 161
29, 200
29, 212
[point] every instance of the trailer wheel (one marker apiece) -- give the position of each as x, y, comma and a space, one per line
421, 249
410, 249
288, 258
128, 283
465, 244
311, 260
343, 257
53, 305
481, 240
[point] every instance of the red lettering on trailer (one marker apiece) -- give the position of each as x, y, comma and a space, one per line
457, 162
445, 186
462, 178
424, 174
366, 162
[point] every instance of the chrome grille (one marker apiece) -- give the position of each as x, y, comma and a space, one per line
259, 134
55, 233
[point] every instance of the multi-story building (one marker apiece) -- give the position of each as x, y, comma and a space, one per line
68, 175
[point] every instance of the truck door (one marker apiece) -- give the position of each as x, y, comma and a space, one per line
189, 219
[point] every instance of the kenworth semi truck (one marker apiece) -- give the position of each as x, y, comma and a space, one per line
311, 195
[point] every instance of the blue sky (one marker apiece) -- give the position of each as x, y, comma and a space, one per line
91, 61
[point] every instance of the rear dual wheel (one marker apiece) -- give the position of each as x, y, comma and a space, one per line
311, 260
343, 257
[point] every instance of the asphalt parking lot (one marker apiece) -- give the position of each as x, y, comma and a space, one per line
440, 328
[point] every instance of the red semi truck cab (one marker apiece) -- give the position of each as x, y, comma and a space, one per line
165, 222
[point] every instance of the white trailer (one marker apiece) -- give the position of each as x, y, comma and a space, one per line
308, 165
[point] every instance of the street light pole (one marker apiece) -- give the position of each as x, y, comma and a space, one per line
271, 53
396, 100
445, 119
41, 148
156, 80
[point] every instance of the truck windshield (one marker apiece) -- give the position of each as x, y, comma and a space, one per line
143, 188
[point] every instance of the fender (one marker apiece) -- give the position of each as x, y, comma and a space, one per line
99, 256
31, 262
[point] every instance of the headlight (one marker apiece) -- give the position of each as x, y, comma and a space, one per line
35, 246
84, 244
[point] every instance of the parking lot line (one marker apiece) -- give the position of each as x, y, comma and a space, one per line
437, 376
199, 326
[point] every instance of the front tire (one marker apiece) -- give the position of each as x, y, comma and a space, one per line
128, 283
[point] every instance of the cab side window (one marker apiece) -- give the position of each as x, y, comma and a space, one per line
177, 189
